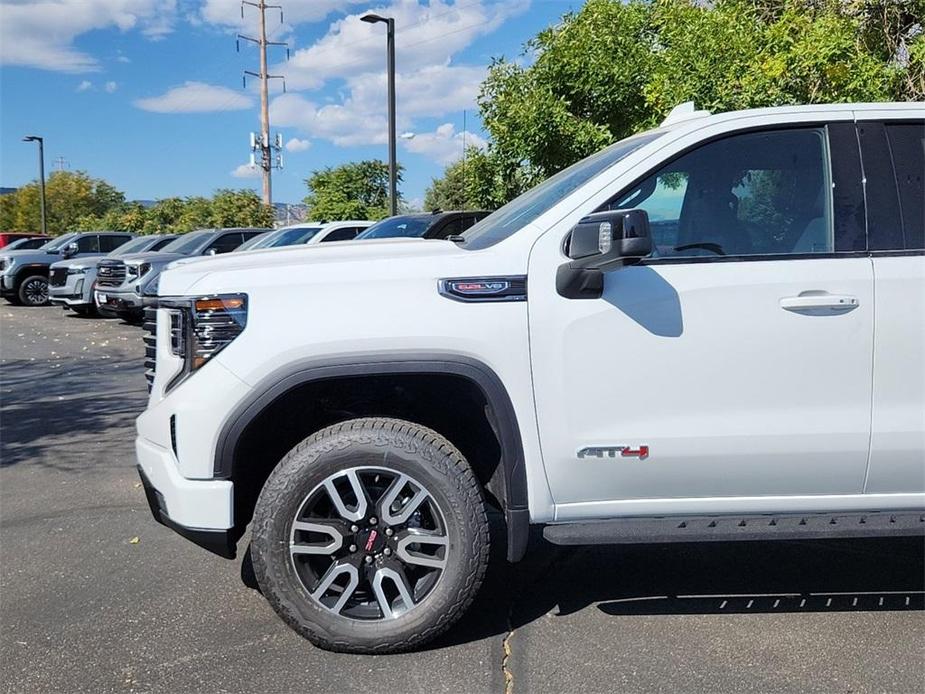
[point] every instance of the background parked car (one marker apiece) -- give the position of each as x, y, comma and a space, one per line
436, 225
24, 274
121, 282
71, 282
308, 232
27, 243
9, 237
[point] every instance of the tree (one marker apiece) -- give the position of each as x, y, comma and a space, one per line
356, 190
452, 191
239, 208
615, 68
71, 196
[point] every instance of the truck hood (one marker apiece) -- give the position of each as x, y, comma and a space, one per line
182, 274
31, 255
153, 257
84, 261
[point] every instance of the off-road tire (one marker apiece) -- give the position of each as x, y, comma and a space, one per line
407, 448
27, 297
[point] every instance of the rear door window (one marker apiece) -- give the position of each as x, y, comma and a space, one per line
907, 147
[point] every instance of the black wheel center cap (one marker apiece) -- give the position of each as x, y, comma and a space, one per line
371, 541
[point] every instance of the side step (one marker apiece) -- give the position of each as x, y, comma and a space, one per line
656, 530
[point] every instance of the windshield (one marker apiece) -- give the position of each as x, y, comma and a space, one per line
25, 244
285, 237
398, 227
133, 246
187, 244
59, 242
524, 209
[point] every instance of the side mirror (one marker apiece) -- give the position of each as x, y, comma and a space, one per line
600, 242
212, 251
70, 250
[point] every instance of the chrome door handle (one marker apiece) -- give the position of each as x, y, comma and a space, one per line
819, 303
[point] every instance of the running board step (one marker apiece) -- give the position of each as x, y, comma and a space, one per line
655, 530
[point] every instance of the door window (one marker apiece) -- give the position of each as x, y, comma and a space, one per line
111, 243
345, 234
88, 244
226, 243
907, 146
761, 193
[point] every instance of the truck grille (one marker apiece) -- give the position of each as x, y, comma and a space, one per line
110, 274
150, 340
57, 277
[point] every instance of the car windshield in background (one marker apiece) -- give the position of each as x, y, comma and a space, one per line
290, 237
524, 209
188, 244
398, 227
132, 246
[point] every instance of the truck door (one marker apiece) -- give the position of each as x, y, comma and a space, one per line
736, 361
894, 167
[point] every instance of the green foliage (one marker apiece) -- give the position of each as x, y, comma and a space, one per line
77, 202
452, 191
70, 197
239, 208
356, 190
615, 68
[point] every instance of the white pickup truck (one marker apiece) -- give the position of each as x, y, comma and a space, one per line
714, 330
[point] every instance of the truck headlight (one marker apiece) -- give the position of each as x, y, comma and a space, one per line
202, 327
77, 271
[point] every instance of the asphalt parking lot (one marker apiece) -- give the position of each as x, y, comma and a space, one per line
95, 596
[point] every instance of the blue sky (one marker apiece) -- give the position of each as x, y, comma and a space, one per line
147, 93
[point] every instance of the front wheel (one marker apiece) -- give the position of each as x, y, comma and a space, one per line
371, 536
33, 291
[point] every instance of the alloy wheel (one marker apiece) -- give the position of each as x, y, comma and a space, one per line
35, 291
369, 543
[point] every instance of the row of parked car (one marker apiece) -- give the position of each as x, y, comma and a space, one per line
109, 272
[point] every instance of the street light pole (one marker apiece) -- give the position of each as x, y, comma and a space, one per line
393, 164
41, 141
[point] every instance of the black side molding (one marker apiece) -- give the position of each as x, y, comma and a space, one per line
667, 529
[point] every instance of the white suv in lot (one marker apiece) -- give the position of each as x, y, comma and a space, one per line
714, 330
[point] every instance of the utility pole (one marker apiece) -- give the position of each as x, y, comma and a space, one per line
61, 164
267, 148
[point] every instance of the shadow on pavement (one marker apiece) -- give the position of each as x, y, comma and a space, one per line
704, 578
46, 408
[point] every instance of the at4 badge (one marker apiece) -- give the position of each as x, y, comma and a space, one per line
640, 452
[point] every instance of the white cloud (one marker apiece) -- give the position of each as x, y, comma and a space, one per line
342, 125
433, 91
84, 85
123, 59
425, 35
444, 145
196, 97
228, 12
297, 145
41, 33
110, 87
246, 171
